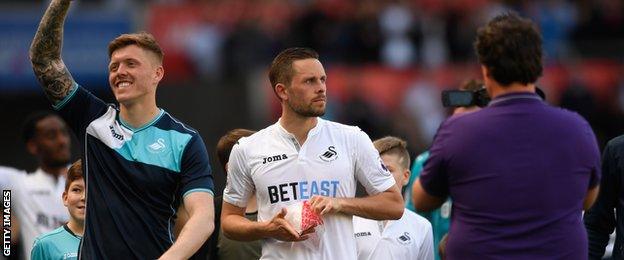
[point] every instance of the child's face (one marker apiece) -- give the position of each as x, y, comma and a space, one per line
400, 174
74, 199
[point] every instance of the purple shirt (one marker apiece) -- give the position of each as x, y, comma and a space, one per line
517, 172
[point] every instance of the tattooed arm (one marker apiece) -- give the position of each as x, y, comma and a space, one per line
45, 53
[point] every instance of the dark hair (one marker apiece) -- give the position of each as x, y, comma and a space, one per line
74, 173
29, 128
510, 47
144, 40
227, 141
281, 70
394, 146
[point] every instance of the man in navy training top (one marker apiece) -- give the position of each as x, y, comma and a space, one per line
519, 171
140, 162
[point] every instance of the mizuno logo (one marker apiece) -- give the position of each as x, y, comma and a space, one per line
157, 146
329, 155
274, 158
115, 134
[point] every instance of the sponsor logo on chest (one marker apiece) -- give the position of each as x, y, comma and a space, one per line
363, 234
405, 239
302, 190
329, 154
157, 147
274, 158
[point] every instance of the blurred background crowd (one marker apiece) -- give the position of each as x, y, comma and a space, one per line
386, 60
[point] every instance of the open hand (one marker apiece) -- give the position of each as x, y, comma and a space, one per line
280, 229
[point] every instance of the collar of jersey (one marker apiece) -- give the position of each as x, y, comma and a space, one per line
148, 124
70, 231
40, 173
313, 131
514, 96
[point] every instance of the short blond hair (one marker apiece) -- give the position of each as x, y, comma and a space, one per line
394, 146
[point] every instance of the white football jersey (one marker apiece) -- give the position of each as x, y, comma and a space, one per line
271, 164
409, 237
37, 202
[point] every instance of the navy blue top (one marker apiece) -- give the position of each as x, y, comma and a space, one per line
136, 178
518, 172
608, 211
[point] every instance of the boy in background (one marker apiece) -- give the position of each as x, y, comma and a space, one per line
409, 237
63, 242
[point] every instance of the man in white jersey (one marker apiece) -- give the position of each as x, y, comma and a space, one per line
303, 157
411, 236
36, 196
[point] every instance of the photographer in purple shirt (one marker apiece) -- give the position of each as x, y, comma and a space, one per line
519, 172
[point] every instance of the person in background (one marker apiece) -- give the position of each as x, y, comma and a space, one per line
607, 213
63, 242
519, 171
35, 196
409, 237
229, 249
440, 218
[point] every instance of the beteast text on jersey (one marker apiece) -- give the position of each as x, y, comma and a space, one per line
302, 190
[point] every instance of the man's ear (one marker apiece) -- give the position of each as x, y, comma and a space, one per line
488, 79
64, 197
160, 73
31, 147
406, 177
280, 90
485, 72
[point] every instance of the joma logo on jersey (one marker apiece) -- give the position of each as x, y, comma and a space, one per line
274, 158
363, 234
115, 134
329, 155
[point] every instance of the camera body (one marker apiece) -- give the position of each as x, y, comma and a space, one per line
465, 98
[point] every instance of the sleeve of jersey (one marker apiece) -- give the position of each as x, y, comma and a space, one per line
427, 247
8, 177
434, 178
38, 251
79, 108
239, 186
196, 171
369, 168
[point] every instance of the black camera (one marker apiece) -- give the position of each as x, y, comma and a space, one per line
465, 98
468, 98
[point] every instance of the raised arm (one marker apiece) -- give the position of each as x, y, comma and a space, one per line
45, 53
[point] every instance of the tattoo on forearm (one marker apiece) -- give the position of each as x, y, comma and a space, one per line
45, 53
